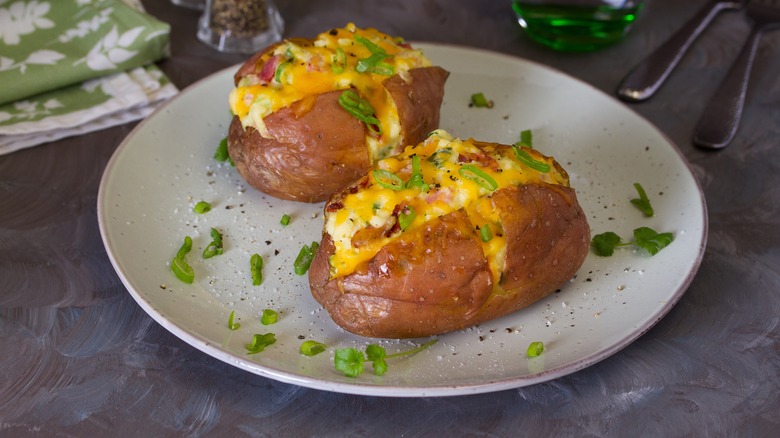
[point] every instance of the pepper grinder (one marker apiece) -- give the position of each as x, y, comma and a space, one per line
240, 26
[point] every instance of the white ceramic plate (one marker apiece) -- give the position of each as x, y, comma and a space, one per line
165, 166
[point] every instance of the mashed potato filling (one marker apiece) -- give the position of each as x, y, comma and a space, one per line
440, 175
339, 59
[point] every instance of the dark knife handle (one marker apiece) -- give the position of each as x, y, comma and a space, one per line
643, 81
720, 119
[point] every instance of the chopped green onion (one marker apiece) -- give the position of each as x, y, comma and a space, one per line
526, 139
480, 101
311, 348
280, 71
438, 158
417, 177
202, 207
285, 220
269, 317
406, 217
373, 48
525, 158
179, 266
221, 154
259, 342
232, 325
376, 62
182, 270
479, 176
256, 269
185, 247
305, 257
339, 61
361, 110
535, 349
388, 179
485, 233
643, 202
214, 248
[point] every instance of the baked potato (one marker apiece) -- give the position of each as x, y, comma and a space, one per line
312, 115
445, 235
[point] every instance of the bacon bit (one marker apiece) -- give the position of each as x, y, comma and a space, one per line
439, 195
395, 226
316, 63
334, 206
484, 160
269, 68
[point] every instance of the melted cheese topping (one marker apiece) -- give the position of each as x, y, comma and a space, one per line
297, 69
449, 189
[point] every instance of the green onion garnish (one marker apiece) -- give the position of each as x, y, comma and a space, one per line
480, 101
305, 257
185, 247
232, 325
417, 178
388, 179
485, 233
438, 158
525, 158
259, 342
182, 270
256, 269
221, 154
526, 139
179, 266
280, 71
406, 217
535, 349
361, 110
214, 248
479, 176
311, 348
339, 61
269, 317
376, 62
285, 220
202, 207
642, 202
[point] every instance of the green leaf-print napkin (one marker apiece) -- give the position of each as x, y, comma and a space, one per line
73, 66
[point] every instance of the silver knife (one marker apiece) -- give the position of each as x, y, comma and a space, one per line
645, 79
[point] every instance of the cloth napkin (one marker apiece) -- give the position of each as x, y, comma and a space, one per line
69, 67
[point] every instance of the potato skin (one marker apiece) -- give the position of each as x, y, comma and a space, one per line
308, 159
317, 148
436, 279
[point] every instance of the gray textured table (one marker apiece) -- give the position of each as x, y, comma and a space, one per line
78, 357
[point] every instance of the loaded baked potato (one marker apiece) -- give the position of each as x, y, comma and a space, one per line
448, 234
311, 115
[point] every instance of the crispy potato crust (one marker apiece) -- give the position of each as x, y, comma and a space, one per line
436, 279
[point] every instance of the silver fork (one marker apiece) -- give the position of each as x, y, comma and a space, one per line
721, 117
645, 79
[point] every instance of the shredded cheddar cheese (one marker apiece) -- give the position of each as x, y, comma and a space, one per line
441, 159
297, 69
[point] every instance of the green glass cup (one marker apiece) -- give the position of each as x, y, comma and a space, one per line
576, 25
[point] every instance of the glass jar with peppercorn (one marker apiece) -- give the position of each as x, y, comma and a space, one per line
240, 26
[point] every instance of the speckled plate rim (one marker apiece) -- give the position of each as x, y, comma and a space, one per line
437, 52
